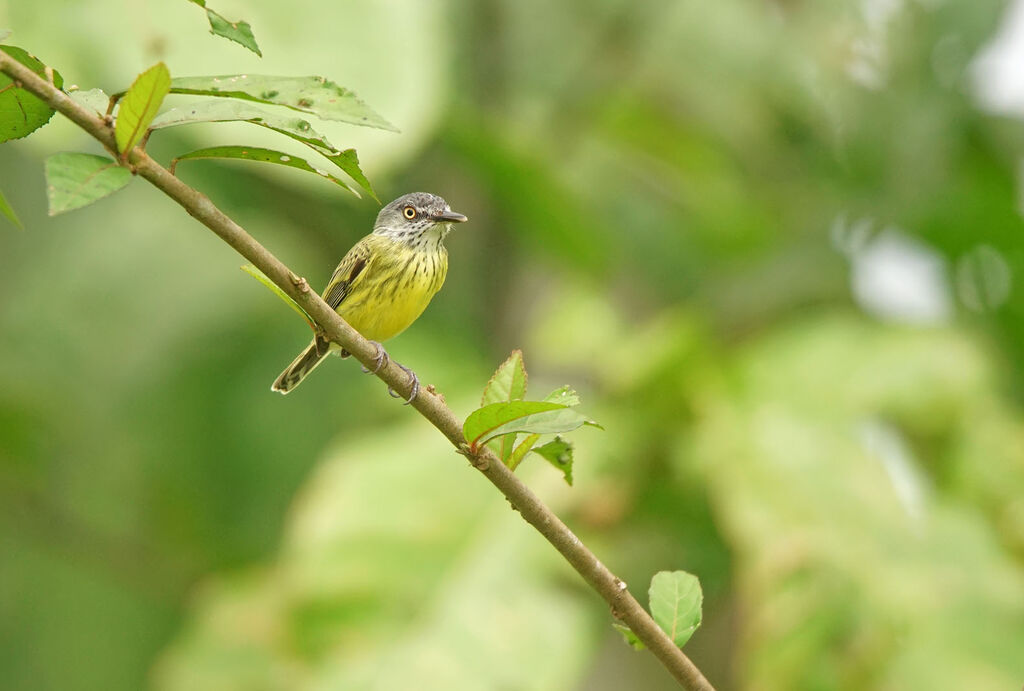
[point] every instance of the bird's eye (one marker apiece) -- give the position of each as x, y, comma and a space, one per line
409, 212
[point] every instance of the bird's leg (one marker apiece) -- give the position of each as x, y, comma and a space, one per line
415, 385
381, 359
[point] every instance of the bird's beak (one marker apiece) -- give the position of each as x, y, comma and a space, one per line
449, 217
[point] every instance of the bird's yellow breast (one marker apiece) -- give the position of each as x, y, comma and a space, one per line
394, 289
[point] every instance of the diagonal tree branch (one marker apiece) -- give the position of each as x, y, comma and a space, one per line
614, 591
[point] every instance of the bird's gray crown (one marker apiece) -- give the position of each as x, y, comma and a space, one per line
418, 218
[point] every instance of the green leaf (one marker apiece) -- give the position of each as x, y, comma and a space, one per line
628, 635
314, 95
520, 453
298, 129
140, 105
7, 211
348, 161
537, 417
253, 153
563, 395
507, 384
676, 600
558, 452
22, 113
77, 180
93, 99
240, 32
262, 278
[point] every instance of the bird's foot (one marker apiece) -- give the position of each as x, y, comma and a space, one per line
415, 385
381, 359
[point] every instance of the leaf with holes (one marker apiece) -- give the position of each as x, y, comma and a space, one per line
238, 111
676, 600
77, 180
139, 107
254, 153
22, 113
314, 95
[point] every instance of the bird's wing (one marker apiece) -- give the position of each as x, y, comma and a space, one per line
351, 267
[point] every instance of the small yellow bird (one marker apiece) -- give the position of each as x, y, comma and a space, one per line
385, 281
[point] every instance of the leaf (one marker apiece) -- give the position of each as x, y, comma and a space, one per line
564, 396
140, 105
348, 161
253, 153
628, 635
77, 180
7, 211
262, 278
22, 113
558, 452
537, 417
520, 453
240, 32
298, 129
314, 95
507, 384
93, 99
676, 599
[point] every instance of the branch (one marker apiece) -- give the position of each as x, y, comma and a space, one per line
614, 591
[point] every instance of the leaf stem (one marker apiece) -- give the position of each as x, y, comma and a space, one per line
614, 591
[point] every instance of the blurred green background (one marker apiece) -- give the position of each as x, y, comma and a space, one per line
776, 245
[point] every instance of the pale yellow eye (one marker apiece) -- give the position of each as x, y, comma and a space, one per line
409, 212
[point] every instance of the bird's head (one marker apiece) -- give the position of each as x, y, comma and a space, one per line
417, 218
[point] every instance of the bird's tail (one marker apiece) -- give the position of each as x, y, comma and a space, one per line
305, 363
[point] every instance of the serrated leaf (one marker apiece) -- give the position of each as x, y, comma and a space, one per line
254, 153
563, 395
262, 278
77, 180
628, 635
22, 113
140, 105
536, 417
314, 95
676, 600
7, 211
558, 452
507, 384
240, 32
520, 451
239, 111
93, 99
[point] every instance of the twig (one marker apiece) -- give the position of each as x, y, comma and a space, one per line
623, 605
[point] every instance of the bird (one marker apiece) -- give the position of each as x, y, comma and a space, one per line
383, 284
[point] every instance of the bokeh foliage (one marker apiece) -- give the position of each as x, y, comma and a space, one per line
659, 195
